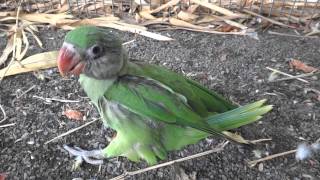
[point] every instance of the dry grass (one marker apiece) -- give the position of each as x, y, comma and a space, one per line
233, 17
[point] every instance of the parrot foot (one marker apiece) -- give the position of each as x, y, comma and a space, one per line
94, 157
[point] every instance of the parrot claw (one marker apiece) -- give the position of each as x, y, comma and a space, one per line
93, 157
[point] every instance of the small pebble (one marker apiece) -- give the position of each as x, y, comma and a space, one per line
260, 167
31, 141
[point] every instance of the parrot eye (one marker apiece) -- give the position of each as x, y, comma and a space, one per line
96, 51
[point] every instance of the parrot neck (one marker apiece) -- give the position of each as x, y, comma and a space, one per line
125, 61
95, 88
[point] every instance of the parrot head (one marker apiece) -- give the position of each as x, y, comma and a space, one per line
92, 51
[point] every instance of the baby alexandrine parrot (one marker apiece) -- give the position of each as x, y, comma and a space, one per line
154, 110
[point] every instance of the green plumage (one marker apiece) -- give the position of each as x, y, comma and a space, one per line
155, 110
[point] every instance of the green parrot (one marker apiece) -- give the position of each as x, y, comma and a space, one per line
153, 110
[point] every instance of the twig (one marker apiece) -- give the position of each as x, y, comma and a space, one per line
260, 140
290, 35
164, 6
25, 92
230, 22
132, 173
295, 77
13, 58
7, 125
129, 42
253, 163
242, 33
55, 99
312, 33
286, 74
4, 114
216, 8
72, 130
267, 19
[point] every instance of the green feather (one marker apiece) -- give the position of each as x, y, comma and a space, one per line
85, 36
172, 129
155, 110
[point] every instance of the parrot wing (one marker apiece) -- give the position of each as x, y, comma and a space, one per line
156, 101
200, 99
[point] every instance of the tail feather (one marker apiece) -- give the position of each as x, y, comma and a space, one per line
240, 116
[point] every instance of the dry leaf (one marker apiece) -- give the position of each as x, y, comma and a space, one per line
115, 25
45, 18
3, 176
107, 18
7, 51
7, 14
226, 28
146, 15
267, 19
32, 63
180, 23
73, 114
299, 65
230, 22
216, 8
138, 18
141, 2
26, 43
18, 44
193, 8
137, 30
186, 16
207, 19
63, 8
35, 37
167, 5
32, 27
236, 137
8, 19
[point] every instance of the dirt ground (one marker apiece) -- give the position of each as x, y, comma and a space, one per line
234, 66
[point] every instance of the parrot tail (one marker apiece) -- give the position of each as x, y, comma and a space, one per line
240, 116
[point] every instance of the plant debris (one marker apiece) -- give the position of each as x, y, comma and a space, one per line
31, 63
72, 130
223, 17
299, 65
3, 176
73, 114
219, 148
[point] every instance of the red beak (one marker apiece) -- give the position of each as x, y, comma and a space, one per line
69, 62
